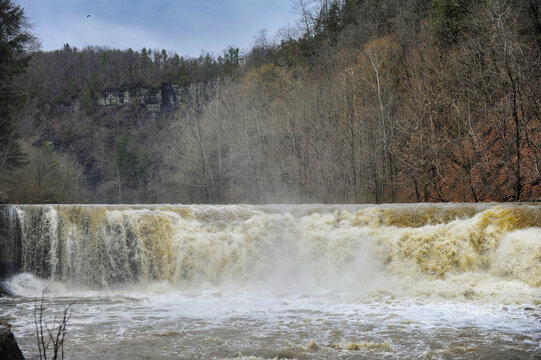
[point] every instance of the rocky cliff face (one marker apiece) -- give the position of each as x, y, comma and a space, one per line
88, 128
166, 97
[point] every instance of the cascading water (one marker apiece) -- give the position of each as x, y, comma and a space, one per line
297, 281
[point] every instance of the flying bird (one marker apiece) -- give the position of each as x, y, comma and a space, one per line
88, 16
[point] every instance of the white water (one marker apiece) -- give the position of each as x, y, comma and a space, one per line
411, 281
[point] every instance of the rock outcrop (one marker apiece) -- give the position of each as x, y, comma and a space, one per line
9, 349
166, 97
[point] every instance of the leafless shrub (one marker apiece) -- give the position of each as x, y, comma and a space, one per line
50, 338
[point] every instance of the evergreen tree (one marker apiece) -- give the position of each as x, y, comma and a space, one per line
14, 40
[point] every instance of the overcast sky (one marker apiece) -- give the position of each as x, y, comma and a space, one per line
184, 26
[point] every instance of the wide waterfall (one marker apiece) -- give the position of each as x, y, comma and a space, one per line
280, 281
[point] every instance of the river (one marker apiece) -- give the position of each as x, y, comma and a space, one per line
416, 281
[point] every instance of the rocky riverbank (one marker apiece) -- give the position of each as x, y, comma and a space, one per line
9, 349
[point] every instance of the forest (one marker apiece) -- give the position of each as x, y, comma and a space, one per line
361, 101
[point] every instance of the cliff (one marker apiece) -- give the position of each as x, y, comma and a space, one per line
167, 97
84, 128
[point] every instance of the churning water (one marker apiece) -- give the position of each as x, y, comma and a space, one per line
306, 281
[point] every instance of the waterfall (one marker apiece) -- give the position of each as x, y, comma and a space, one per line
304, 245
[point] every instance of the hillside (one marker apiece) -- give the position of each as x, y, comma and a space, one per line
366, 101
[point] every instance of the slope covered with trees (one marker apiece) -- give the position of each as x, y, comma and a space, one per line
364, 101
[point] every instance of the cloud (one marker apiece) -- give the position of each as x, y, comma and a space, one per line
187, 27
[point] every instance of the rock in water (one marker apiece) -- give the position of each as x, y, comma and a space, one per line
9, 349
4, 290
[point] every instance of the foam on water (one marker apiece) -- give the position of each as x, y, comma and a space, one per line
241, 323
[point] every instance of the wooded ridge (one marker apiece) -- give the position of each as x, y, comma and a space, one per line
363, 101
